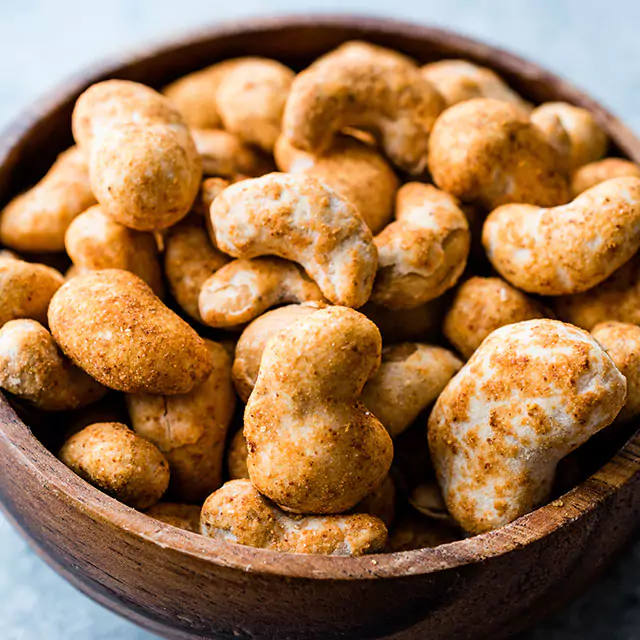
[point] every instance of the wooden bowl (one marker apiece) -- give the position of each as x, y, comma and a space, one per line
181, 585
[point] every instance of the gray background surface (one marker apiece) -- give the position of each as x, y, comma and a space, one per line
594, 43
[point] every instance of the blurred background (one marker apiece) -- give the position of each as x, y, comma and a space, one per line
593, 43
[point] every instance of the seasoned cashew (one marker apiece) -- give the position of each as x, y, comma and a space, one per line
242, 290
238, 513
481, 306
594, 173
487, 151
532, 393
426, 498
572, 131
224, 154
113, 458
414, 531
567, 249
622, 342
95, 241
182, 516
112, 102
194, 95
38, 219
460, 80
190, 429
617, 298
237, 457
297, 218
363, 50
367, 88
189, 260
422, 253
251, 98
112, 326
26, 290
313, 448
253, 341
351, 168
410, 378
5, 254
32, 368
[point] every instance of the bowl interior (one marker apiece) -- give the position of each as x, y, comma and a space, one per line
28, 147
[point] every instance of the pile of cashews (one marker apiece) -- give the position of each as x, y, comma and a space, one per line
325, 312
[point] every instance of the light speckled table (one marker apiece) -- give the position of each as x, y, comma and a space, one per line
595, 43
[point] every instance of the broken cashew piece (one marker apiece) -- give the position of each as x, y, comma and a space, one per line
242, 290
313, 447
297, 218
532, 393
567, 249
422, 253
238, 513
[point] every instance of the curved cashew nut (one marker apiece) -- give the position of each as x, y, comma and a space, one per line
189, 260
297, 218
238, 513
313, 448
190, 429
422, 253
242, 290
351, 168
460, 80
38, 219
482, 305
182, 516
95, 241
33, 368
594, 173
411, 376
487, 151
369, 89
567, 249
532, 393
617, 298
572, 131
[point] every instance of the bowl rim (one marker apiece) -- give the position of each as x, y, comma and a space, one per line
95, 504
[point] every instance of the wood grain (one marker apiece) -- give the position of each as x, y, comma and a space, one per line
180, 585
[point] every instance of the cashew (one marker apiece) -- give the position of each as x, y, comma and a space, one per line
572, 131
460, 80
362, 50
119, 462
224, 154
190, 429
194, 95
95, 241
410, 378
487, 151
622, 342
381, 502
182, 516
238, 513
352, 169
594, 173
413, 531
427, 499
33, 369
209, 190
253, 341
617, 298
297, 218
189, 260
422, 253
567, 249
111, 325
5, 254
481, 306
313, 448
38, 219
112, 102
26, 290
251, 98
370, 89
532, 393
145, 176
242, 290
